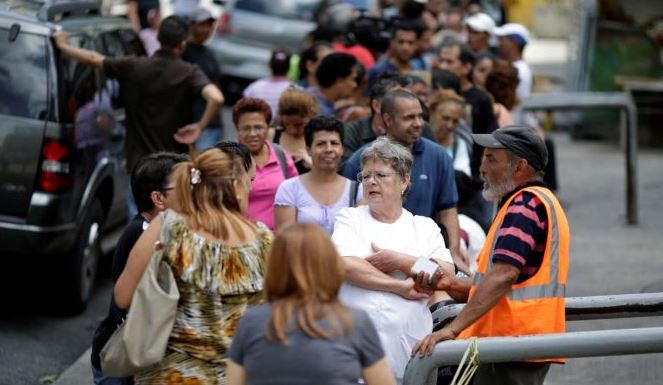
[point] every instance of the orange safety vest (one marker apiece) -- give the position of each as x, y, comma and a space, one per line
535, 306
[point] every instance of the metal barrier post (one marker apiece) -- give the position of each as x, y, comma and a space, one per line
584, 100
509, 349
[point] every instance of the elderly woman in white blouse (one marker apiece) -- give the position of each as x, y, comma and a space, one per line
380, 243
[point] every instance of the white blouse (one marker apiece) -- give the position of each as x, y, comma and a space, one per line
400, 322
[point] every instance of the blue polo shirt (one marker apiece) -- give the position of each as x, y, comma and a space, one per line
433, 186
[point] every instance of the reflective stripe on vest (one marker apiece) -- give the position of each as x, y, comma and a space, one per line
550, 290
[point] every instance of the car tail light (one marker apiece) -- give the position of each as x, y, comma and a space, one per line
224, 25
54, 175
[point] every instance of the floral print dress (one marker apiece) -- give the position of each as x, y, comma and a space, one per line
216, 283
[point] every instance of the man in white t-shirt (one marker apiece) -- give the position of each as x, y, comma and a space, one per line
513, 38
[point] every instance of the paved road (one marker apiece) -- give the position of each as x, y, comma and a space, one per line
608, 257
35, 343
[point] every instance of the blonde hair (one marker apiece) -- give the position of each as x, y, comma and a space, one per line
210, 201
443, 96
297, 102
303, 275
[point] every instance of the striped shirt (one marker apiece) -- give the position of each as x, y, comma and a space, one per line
521, 240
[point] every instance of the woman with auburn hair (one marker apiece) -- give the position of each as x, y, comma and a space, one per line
501, 84
304, 334
252, 118
296, 108
215, 253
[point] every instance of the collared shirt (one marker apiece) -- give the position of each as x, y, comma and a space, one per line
433, 184
264, 187
158, 97
521, 239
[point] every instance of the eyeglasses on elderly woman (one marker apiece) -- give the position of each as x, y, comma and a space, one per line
378, 176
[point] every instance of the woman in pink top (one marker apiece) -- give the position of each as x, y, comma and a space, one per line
251, 117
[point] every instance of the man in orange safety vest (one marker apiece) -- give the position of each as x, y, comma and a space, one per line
520, 282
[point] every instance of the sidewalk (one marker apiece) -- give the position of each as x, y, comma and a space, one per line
608, 257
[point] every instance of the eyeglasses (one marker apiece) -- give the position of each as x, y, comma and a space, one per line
378, 176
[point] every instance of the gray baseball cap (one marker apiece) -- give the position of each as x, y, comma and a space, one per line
520, 140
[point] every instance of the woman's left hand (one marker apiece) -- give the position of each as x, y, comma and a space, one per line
385, 260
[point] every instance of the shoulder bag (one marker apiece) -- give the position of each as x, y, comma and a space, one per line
142, 339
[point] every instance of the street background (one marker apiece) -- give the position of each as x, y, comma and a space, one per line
607, 257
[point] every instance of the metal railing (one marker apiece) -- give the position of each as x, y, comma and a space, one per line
569, 345
586, 308
508, 349
629, 122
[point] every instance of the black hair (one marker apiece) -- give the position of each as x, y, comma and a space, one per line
384, 83
412, 9
236, 149
445, 80
279, 63
334, 66
151, 174
173, 30
322, 123
409, 25
389, 101
465, 54
310, 54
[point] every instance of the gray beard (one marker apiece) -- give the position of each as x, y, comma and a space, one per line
493, 193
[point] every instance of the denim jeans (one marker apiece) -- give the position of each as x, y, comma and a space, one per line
101, 379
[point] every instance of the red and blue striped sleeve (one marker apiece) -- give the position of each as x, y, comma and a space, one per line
521, 239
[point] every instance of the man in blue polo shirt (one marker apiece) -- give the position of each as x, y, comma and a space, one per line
433, 188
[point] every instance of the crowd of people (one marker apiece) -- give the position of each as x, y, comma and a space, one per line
362, 163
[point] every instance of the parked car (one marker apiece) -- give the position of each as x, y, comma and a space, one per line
248, 30
62, 165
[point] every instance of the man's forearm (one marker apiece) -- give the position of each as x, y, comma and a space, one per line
361, 273
214, 99
84, 56
492, 288
460, 289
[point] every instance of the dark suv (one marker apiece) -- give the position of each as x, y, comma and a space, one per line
62, 174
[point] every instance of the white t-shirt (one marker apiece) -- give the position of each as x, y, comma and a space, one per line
400, 322
525, 79
461, 158
476, 239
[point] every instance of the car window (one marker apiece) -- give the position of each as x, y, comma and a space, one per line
23, 75
288, 9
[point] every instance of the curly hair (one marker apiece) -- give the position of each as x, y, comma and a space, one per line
247, 105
